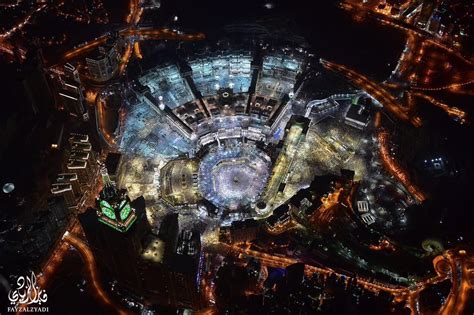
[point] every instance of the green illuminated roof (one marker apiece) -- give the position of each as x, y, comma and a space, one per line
107, 209
355, 100
115, 210
120, 218
125, 210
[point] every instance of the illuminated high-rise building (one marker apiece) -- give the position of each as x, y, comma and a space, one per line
186, 265
103, 65
65, 190
114, 206
70, 178
81, 160
72, 92
116, 232
161, 269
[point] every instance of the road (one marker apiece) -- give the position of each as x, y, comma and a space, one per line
92, 271
134, 34
101, 119
56, 257
375, 90
20, 25
453, 112
409, 29
460, 268
396, 170
429, 63
455, 265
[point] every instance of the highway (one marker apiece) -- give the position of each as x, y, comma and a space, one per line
137, 51
92, 272
453, 112
459, 267
375, 90
455, 265
282, 262
429, 63
135, 34
20, 25
70, 238
429, 67
396, 170
410, 29
100, 121
55, 259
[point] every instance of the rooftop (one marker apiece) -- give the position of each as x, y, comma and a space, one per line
154, 250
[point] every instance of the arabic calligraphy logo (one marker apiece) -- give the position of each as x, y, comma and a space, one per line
27, 292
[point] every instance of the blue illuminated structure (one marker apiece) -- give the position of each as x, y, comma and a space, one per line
167, 85
231, 70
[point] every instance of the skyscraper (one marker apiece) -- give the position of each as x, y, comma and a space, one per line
186, 267
116, 233
159, 269
72, 94
114, 206
81, 160
104, 64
